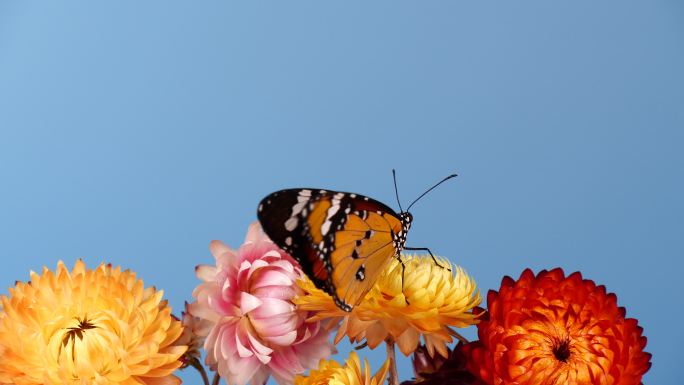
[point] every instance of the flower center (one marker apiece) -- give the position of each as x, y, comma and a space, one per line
75, 333
86, 347
561, 350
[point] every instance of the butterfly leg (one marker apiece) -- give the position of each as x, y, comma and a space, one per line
403, 268
430, 252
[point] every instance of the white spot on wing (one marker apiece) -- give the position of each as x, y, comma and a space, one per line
332, 210
288, 241
326, 227
291, 223
296, 209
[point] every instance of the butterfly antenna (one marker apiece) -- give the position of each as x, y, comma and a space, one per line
430, 189
396, 191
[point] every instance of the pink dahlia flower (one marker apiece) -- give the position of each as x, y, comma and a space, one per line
257, 331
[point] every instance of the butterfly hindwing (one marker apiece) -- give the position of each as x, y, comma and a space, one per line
343, 241
283, 218
363, 248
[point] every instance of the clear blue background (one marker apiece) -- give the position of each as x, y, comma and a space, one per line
136, 132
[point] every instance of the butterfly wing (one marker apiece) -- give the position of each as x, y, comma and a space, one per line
343, 241
283, 215
363, 247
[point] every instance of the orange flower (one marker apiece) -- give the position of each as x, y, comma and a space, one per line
552, 329
438, 300
88, 326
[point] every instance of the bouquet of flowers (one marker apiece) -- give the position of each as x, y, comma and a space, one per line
257, 315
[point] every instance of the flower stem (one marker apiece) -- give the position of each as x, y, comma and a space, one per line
198, 366
393, 375
216, 379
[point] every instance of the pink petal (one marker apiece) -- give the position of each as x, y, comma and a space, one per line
283, 340
259, 263
262, 352
248, 302
272, 254
314, 349
270, 277
223, 255
306, 336
243, 273
284, 293
272, 307
244, 266
286, 364
284, 264
210, 345
225, 290
241, 348
205, 272
242, 370
275, 326
220, 306
217, 247
260, 377
220, 335
254, 233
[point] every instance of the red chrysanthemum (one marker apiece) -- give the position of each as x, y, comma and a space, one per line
551, 329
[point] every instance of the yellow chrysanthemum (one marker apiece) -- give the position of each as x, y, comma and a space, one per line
438, 299
98, 326
332, 373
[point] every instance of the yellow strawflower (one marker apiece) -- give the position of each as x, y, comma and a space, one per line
99, 326
439, 298
332, 373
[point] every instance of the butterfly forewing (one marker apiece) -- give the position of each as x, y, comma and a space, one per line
283, 215
343, 241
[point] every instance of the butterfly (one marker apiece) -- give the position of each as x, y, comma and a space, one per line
342, 241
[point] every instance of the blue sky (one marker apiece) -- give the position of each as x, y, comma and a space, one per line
137, 132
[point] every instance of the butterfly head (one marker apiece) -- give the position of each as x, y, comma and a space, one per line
400, 238
406, 219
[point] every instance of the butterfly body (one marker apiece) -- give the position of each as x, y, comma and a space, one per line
343, 241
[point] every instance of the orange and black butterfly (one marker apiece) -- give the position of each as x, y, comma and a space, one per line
343, 241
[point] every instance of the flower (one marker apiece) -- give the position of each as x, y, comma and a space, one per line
424, 364
98, 326
330, 372
438, 370
256, 330
194, 331
551, 329
437, 301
